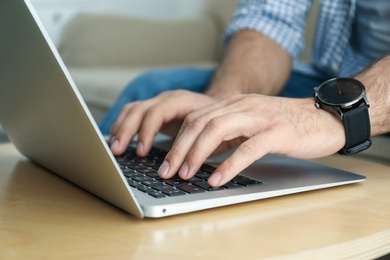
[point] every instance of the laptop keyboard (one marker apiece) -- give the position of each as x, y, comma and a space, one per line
141, 173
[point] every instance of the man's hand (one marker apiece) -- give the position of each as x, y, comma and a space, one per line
258, 125
248, 54
164, 113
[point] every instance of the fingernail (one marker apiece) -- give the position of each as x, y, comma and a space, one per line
183, 172
214, 179
140, 148
114, 145
163, 170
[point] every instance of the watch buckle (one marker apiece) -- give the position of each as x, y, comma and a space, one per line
356, 149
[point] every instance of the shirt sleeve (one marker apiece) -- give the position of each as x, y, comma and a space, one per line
283, 21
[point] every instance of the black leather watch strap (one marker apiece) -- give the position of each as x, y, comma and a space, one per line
357, 130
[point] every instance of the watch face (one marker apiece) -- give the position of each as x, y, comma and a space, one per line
342, 92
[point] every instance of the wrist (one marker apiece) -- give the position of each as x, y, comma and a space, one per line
347, 96
232, 85
377, 83
222, 91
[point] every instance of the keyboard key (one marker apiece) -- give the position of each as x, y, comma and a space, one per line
146, 189
204, 185
141, 178
121, 158
156, 194
232, 185
191, 189
207, 168
202, 175
152, 183
134, 184
137, 167
153, 165
176, 182
131, 164
194, 179
142, 160
152, 174
132, 174
249, 182
162, 187
240, 178
174, 192
146, 170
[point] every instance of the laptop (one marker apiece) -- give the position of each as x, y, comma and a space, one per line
46, 118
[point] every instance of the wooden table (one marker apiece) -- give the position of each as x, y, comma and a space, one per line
42, 216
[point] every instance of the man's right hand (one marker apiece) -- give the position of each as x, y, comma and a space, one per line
165, 112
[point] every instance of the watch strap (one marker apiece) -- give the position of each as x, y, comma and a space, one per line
357, 130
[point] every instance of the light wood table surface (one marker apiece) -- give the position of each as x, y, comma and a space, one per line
42, 216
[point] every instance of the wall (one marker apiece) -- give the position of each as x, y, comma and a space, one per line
55, 13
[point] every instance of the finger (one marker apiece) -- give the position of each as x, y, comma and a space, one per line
194, 144
219, 129
125, 110
246, 153
127, 129
129, 122
175, 160
206, 110
175, 157
115, 127
171, 108
155, 117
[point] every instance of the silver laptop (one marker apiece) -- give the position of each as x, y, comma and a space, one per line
45, 117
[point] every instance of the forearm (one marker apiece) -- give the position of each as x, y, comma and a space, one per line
376, 79
253, 63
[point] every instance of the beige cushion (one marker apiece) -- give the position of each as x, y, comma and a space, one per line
107, 40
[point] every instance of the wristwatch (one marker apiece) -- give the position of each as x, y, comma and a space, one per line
347, 96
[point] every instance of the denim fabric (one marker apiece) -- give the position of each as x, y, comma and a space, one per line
301, 86
154, 82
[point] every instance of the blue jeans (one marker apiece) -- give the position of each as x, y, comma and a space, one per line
151, 83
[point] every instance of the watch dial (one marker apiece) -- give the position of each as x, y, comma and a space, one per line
340, 91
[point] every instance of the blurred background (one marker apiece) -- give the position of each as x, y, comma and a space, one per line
56, 13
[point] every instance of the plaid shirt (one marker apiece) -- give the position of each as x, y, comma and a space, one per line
284, 22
